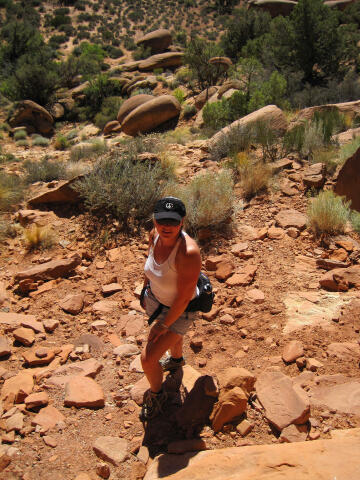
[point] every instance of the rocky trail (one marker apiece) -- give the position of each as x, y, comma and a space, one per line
275, 361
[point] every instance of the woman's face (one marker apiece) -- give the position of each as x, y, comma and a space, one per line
168, 230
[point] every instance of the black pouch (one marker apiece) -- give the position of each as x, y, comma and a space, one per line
204, 301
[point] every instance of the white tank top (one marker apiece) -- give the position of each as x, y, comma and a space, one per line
163, 277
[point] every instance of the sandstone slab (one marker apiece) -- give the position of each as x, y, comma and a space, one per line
48, 418
50, 270
111, 449
230, 405
72, 303
291, 218
83, 392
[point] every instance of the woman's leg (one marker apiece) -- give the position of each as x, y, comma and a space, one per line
177, 349
151, 355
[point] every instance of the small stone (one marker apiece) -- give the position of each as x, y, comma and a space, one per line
83, 392
244, 427
39, 399
292, 232
5, 348
312, 364
301, 362
255, 295
103, 470
41, 352
294, 433
111, 288
111, 449
50, 325
227, 320
202, 362
292, 351
126, 350
314, 435
196, 342
143, 454
50, 441
275, 233
73, 303
25, 336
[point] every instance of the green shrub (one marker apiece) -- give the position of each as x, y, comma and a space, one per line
217, 115
109, 110
328, 213
8, 229
44, 170
11, 191
38, 238
332, 122
268, 140
254, 178
189, 111
7, 157
39, 141
88, 149
61, 142
179, 94
294, 139
327, 156
349, 149
237, 139
72, 134
75, 169
22, 143
313, 138
209, 200
123, 187
141, 53
355, 220
20, 135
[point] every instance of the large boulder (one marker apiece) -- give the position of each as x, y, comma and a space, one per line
61, 193
150, 115
158, 40
129, 105
33, 117
351, 108
348, 180
270, 114
341, 279
320, 460
50, 270
274, 7
162, 60
339, 4
204, 96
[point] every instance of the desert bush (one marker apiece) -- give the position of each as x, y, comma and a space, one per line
38, 238
355, 220
180, 135
11, 191
123, 187
179, 94
109, 110
75, 169
189, 111
268, 140
349, 149
8, 229
237, 139
332, 122
328, 213
313, 138
22, 143
254, 178
141, 53
7, 157
40, 141
217, 115
44, 170
61, 142
20, 135
72, 134
183, 75
209, 200
293, 139
88, 149
328, 156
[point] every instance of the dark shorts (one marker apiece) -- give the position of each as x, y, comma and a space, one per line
180, 326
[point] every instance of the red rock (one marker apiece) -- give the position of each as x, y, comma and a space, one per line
291, 218
50, 270
25, 336
196, 342
294, 433
275, 233
73, 303
239, 248
138, 390
255, 295
312, 364
50, 441
244, 276
83, 392
18, 387
114, 254
314, 175
292, 351
35, 325
31, 359
341, 279
211, 263
86, 368
231, 404
237, 377
48, 418
39, 399
105, 306
111, 449
344, 350
244, 427
340, 255
111, 288
347, 182
284, 402
227, 320
262, 233
224, 270
5, 348
50, 325
336, 392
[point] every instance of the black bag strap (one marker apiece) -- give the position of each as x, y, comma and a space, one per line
155, 314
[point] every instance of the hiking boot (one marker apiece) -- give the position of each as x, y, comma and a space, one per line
169, 364
153, 405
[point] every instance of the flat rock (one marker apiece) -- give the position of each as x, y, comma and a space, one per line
224, 270
15, 422
111, 288
48, 418
342, 397
255, 295
105, 306
50, 270
38, 399
126, 350
85, 368
83, 392
10, 321
243, 277
284, 402
72, 303
292, 351
111, 449
18, 387
320, 460
25, 336
237, 377
32, 359
344, 350
5, 348
231, 404
35, 325
138, 390
275, 233
291, 218
341, 279
294, 433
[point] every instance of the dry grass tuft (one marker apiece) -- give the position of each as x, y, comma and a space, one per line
328, 214
38, 238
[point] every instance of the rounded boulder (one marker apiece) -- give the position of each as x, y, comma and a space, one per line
33, 117
131, 104
151, 114
158, 40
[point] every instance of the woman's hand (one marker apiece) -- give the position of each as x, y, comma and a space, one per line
157, 330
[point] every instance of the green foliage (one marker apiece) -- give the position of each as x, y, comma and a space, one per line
141, 53
22, 143
99, 88
8, 229
179, 94
11, 191
109, 110
355, 220
40, 141
268, 139
328, 214
237, 139
20, 135
197, 56
189, 111
328, 156
209, 200
44, 170
246, 24
124, 187
88, 150
217, 115
347, 150
61, 142
294, 139
332, 122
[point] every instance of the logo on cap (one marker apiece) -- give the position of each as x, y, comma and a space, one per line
169, 206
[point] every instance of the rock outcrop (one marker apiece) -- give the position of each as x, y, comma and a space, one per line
158, 40
150, 115
274, 7
348, 180
33, 117
130, 104
162, 60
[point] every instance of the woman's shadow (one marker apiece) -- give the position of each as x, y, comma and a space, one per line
185, 415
